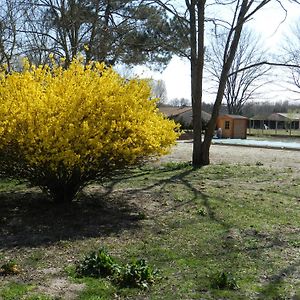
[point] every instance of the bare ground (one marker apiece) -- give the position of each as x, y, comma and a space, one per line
239, 155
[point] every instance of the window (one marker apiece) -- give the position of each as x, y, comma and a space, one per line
227, 125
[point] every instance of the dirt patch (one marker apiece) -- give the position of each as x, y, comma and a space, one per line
41, 236
62, 289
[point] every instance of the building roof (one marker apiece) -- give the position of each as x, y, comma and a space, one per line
260, 117
291, 116
236, 117
278, 117
173, 112
205, 116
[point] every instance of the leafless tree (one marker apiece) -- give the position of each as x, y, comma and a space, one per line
240, 86
194, 20
291, 50
159, 90
9, 22
180, 102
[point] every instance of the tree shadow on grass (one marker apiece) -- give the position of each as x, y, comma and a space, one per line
273, 286
232, 246
28, 218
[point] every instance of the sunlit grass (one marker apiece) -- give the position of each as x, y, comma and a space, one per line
243, 220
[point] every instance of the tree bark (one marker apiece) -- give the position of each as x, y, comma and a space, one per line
197, 63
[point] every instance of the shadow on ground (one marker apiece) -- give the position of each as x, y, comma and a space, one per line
28, 218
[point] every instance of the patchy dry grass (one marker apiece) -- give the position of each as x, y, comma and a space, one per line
190, 224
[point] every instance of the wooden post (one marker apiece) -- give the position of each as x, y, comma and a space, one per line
250, 126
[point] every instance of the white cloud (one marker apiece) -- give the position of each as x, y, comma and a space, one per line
177, 78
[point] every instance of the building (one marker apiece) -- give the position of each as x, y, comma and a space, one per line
233, 126
258, 121
276, 121
183, 115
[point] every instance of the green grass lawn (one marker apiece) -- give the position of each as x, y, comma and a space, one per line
189, 224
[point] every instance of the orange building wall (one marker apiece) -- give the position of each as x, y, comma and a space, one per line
240, 128
237, 127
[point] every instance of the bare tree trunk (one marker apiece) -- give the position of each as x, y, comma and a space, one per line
197, 63
197, 21
194, 26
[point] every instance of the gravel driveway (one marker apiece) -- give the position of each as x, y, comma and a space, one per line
238, 155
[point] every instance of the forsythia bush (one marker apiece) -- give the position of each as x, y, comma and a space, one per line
62, 128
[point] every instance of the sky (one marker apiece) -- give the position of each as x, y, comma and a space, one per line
270, 23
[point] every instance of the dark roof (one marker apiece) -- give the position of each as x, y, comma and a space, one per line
205, 116
260, 117
173, 111
234, 116
278, 117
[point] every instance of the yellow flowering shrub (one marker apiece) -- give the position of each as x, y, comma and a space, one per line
61, 128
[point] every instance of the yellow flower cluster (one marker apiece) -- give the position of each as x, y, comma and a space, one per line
83, 118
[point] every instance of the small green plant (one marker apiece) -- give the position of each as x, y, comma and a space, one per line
9, 268
224, 281
201, 211
101, 264
142, 216
137, 274
295, 243
97, 264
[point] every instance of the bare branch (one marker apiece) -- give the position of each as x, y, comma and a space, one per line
273, 64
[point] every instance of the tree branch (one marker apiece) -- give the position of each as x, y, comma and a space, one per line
267, 64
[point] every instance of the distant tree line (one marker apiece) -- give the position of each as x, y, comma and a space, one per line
180, 102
